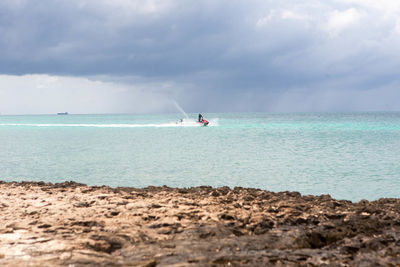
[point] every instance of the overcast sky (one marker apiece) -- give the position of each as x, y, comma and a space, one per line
135, 56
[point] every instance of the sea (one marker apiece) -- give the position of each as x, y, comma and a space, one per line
351, 156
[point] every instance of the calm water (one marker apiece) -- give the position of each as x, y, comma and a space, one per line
347, 155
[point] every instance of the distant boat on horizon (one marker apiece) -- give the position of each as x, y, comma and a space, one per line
62, 113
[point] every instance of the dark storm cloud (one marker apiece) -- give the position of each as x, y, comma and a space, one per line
242, 55
89, 37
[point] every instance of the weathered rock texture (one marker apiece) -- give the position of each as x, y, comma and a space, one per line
72, 224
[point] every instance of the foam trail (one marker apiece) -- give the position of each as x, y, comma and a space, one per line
185, 123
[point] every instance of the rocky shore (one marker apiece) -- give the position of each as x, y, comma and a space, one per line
71, 224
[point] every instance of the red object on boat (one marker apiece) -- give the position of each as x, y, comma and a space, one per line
204, 122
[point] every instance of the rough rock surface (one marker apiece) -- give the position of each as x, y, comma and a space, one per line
71, 224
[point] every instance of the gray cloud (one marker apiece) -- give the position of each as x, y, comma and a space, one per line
234, 55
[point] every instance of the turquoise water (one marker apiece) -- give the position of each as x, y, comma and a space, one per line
347, 155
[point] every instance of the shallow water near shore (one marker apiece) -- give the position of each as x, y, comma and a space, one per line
347, 155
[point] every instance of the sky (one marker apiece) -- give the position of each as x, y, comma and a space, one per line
139, 56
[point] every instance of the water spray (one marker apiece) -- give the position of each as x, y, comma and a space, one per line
180, 109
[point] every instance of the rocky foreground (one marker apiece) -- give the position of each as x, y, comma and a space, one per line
73, 224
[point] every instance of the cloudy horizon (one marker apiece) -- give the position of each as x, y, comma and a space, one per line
138, 56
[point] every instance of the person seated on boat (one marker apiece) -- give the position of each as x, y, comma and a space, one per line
200, 117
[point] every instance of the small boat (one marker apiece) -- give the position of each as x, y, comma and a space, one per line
62, 113
204, 122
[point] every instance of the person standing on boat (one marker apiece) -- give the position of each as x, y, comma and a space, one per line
200, 117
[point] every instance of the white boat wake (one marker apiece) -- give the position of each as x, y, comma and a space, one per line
183, 123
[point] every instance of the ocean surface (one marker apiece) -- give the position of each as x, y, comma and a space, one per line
350, 156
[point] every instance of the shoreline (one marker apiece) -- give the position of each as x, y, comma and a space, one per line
71, 223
